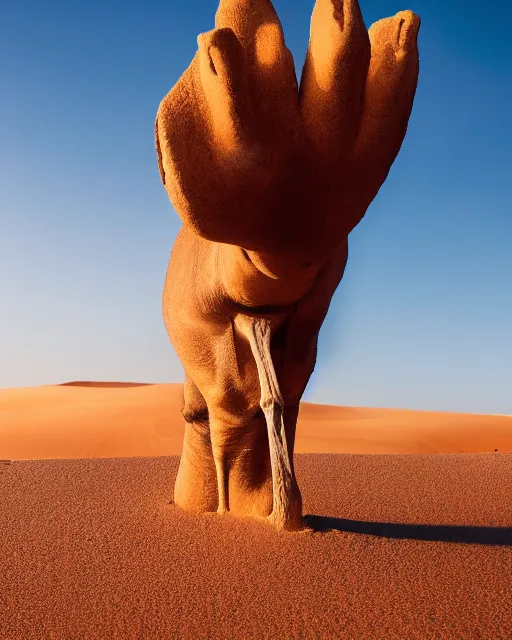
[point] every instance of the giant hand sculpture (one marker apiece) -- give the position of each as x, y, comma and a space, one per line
269, 179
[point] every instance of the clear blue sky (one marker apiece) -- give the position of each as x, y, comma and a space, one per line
423, 317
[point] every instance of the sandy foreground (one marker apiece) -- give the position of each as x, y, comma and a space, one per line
397, 546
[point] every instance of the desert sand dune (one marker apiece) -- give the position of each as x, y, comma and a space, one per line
95, 419
399, 546
106, 385
419, 548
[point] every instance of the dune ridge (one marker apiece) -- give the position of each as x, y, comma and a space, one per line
108, 385
95, 419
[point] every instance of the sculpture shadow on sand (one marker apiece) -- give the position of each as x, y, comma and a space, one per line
491, 536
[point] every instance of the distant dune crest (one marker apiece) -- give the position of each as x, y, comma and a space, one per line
107, 385
91, 419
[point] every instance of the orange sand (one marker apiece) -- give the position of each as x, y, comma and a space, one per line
420, 550
94, 419
400, 547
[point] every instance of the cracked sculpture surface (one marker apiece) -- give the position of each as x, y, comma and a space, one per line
269, 178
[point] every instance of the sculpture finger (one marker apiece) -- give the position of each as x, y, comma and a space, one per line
334, 74
249, 17
223, 74
257, 26
390, 89
201, 132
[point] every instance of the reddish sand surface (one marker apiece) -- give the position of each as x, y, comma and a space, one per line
98, 419
403, 547
396, 546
